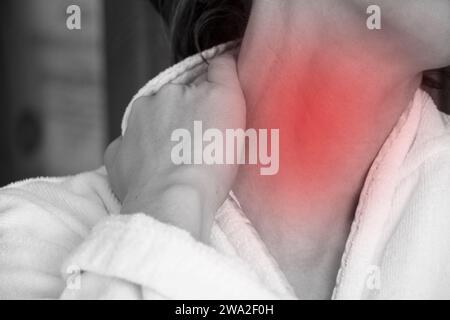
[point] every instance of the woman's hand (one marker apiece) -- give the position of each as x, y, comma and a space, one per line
139, 165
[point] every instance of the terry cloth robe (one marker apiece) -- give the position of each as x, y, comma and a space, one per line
64, 237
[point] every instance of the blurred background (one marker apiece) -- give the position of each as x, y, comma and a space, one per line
63, 92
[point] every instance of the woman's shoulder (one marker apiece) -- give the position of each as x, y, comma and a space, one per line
425, 170
92, 186
86, 196
41, 221
431, 143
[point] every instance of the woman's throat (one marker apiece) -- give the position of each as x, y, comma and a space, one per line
331, 123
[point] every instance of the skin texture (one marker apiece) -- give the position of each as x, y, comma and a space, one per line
333, 88
139, 165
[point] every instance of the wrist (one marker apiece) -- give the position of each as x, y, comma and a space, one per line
179, 205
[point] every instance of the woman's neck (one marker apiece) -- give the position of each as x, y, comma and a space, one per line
335, 90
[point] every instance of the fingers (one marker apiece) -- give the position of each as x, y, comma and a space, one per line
223, 71
200, 79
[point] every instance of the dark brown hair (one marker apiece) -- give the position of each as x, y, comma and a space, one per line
196, 25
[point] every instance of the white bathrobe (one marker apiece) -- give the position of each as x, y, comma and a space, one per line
64, 237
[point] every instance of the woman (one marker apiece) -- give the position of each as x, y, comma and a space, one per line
361, 195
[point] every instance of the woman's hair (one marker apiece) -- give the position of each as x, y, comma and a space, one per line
196, 25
